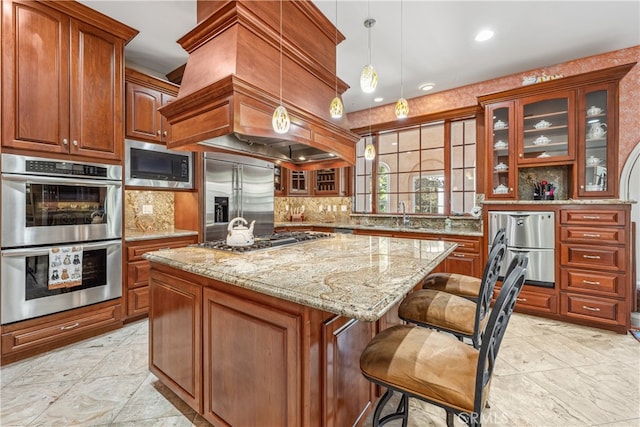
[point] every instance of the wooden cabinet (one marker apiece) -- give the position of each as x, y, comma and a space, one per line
23, 339
144, 96
240, 357
322, 182
175, 335
62, 81
595, 265
569, 122
136, 286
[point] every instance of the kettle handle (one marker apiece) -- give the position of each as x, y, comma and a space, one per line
234, 220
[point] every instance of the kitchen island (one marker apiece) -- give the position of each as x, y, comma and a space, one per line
273, 337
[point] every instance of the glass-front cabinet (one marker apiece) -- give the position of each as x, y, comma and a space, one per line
595, 146
546, 132
501, 170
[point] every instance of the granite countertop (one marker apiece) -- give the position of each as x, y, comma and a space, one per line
359, 277
560, 202
423, 230
135, 235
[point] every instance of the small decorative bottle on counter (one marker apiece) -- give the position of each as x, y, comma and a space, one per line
447, 224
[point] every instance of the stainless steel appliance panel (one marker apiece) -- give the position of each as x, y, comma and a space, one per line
163, 168
63, 225
525, 229
25, 293
237, 186
541, 267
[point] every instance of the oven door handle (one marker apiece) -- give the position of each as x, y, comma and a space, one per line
45, 251
37, 179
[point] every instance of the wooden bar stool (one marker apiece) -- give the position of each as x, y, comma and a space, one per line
461, 284
450, 313
437, 368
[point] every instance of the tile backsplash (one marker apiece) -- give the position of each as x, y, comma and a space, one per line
148, 210
316, 209
559, 176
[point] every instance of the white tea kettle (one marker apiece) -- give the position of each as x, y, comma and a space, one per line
597, 130
240, 235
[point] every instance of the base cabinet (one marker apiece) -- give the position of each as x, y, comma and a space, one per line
239, 357
23, 339
136, 283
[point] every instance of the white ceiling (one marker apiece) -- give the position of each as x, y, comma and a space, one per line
438, 38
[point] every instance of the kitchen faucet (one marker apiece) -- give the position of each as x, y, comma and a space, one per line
402, 206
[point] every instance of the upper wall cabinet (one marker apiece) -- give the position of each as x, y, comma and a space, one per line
62, 79
569, 122
145, 95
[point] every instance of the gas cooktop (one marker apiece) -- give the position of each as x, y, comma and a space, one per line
269, 241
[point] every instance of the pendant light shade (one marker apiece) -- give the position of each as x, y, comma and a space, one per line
368, 79
336, 109
280, 120
402, 108
369, 151
368, 76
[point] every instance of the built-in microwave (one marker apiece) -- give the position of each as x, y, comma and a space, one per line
153, 165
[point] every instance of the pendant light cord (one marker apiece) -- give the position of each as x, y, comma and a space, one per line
280, 52
401, 49
369, 29
336, 28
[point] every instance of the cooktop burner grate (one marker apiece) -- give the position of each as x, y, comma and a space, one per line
268, 241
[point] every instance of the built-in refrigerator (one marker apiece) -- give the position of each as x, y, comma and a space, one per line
237, 186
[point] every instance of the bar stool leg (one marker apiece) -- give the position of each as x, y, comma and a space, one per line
402, 411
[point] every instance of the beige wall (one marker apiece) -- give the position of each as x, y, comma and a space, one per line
466, 96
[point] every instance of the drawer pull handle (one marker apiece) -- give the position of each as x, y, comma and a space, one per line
66, 328
591, 256
591, 235
590, 217
586, 307
521, 299
458, 255
590, 282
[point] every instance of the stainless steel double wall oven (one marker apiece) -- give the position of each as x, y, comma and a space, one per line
51, 204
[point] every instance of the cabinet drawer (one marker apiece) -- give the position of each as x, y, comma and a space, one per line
596, 257
602, 310
54, 331
138, 301
135, 251
463, 263
592, 235
464, 245
594, 282
137, 274
534, 301
592, 217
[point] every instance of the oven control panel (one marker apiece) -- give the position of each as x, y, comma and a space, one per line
65, 168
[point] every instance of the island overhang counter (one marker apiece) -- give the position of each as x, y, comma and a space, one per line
273, 337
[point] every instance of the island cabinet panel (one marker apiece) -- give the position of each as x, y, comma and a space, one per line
252, 362
175, 335
348, 395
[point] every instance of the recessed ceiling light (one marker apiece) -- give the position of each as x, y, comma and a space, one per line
484, 35
426, 86
378, 99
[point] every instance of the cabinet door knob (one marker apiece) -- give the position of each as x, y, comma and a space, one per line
164, 133
65, 141
158, 132
75, 142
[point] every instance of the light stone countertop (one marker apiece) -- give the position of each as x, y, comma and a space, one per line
134, 235
359, 277
560, 202
423, 230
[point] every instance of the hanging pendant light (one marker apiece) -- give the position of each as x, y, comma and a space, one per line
336, 108
402, 106
368, 76
369, 148
280, 120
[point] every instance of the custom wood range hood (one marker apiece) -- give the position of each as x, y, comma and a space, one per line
231, 85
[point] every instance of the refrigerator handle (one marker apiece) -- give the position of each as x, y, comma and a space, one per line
240, 189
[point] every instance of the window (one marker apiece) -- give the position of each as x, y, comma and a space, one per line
416, 166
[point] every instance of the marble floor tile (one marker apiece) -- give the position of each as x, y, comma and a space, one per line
548, 373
